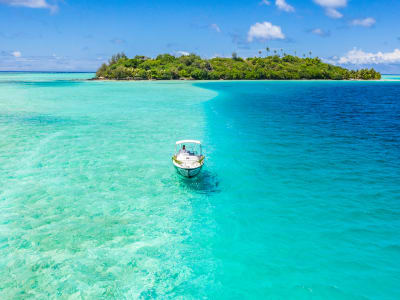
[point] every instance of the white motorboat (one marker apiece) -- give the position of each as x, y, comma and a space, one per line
188, 158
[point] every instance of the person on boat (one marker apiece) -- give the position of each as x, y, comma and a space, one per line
183, 150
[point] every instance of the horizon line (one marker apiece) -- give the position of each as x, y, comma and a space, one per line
27, 71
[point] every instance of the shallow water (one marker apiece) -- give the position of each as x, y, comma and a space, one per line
391, 77
299, 197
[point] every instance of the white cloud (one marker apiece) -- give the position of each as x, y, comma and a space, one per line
282, 5
31, 4
317, 31
265, 2
264, 31
48, 63
333, 13
215, 27
331, 60
320, 32
331, 7
331, 3
55, 56
16, 53
184, 53
359, 57
367, 22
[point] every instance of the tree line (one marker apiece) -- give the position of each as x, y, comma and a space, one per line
193, 67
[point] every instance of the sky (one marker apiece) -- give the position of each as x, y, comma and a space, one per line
71, 35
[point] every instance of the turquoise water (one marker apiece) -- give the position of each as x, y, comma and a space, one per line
299, 198
390, 77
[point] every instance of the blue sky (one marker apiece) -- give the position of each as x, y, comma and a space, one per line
72, 35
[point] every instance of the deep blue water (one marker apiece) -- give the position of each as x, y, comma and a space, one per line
299, 197
309, 176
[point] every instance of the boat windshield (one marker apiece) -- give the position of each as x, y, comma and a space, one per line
189, 149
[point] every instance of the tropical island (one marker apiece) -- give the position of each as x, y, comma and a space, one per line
193, 67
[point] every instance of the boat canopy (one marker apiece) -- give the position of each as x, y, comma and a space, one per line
188, 141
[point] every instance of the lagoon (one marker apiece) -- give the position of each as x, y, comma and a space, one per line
299, 197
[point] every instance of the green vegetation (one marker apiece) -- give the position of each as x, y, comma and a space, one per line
167, 67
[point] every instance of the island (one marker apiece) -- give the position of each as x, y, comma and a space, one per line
193, 67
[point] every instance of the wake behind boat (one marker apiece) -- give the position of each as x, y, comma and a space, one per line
188, 159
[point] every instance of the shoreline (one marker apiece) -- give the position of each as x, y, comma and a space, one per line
229, 80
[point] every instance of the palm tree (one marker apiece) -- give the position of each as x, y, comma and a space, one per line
259, 52
267, 50
295, 53
310, 53
275, 52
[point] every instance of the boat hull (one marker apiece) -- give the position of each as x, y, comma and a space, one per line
188, 172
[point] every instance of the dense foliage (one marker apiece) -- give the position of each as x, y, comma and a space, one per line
166, 67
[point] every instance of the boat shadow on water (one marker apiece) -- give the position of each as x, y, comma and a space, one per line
205, 183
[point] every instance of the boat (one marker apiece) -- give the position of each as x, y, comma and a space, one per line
188, 158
